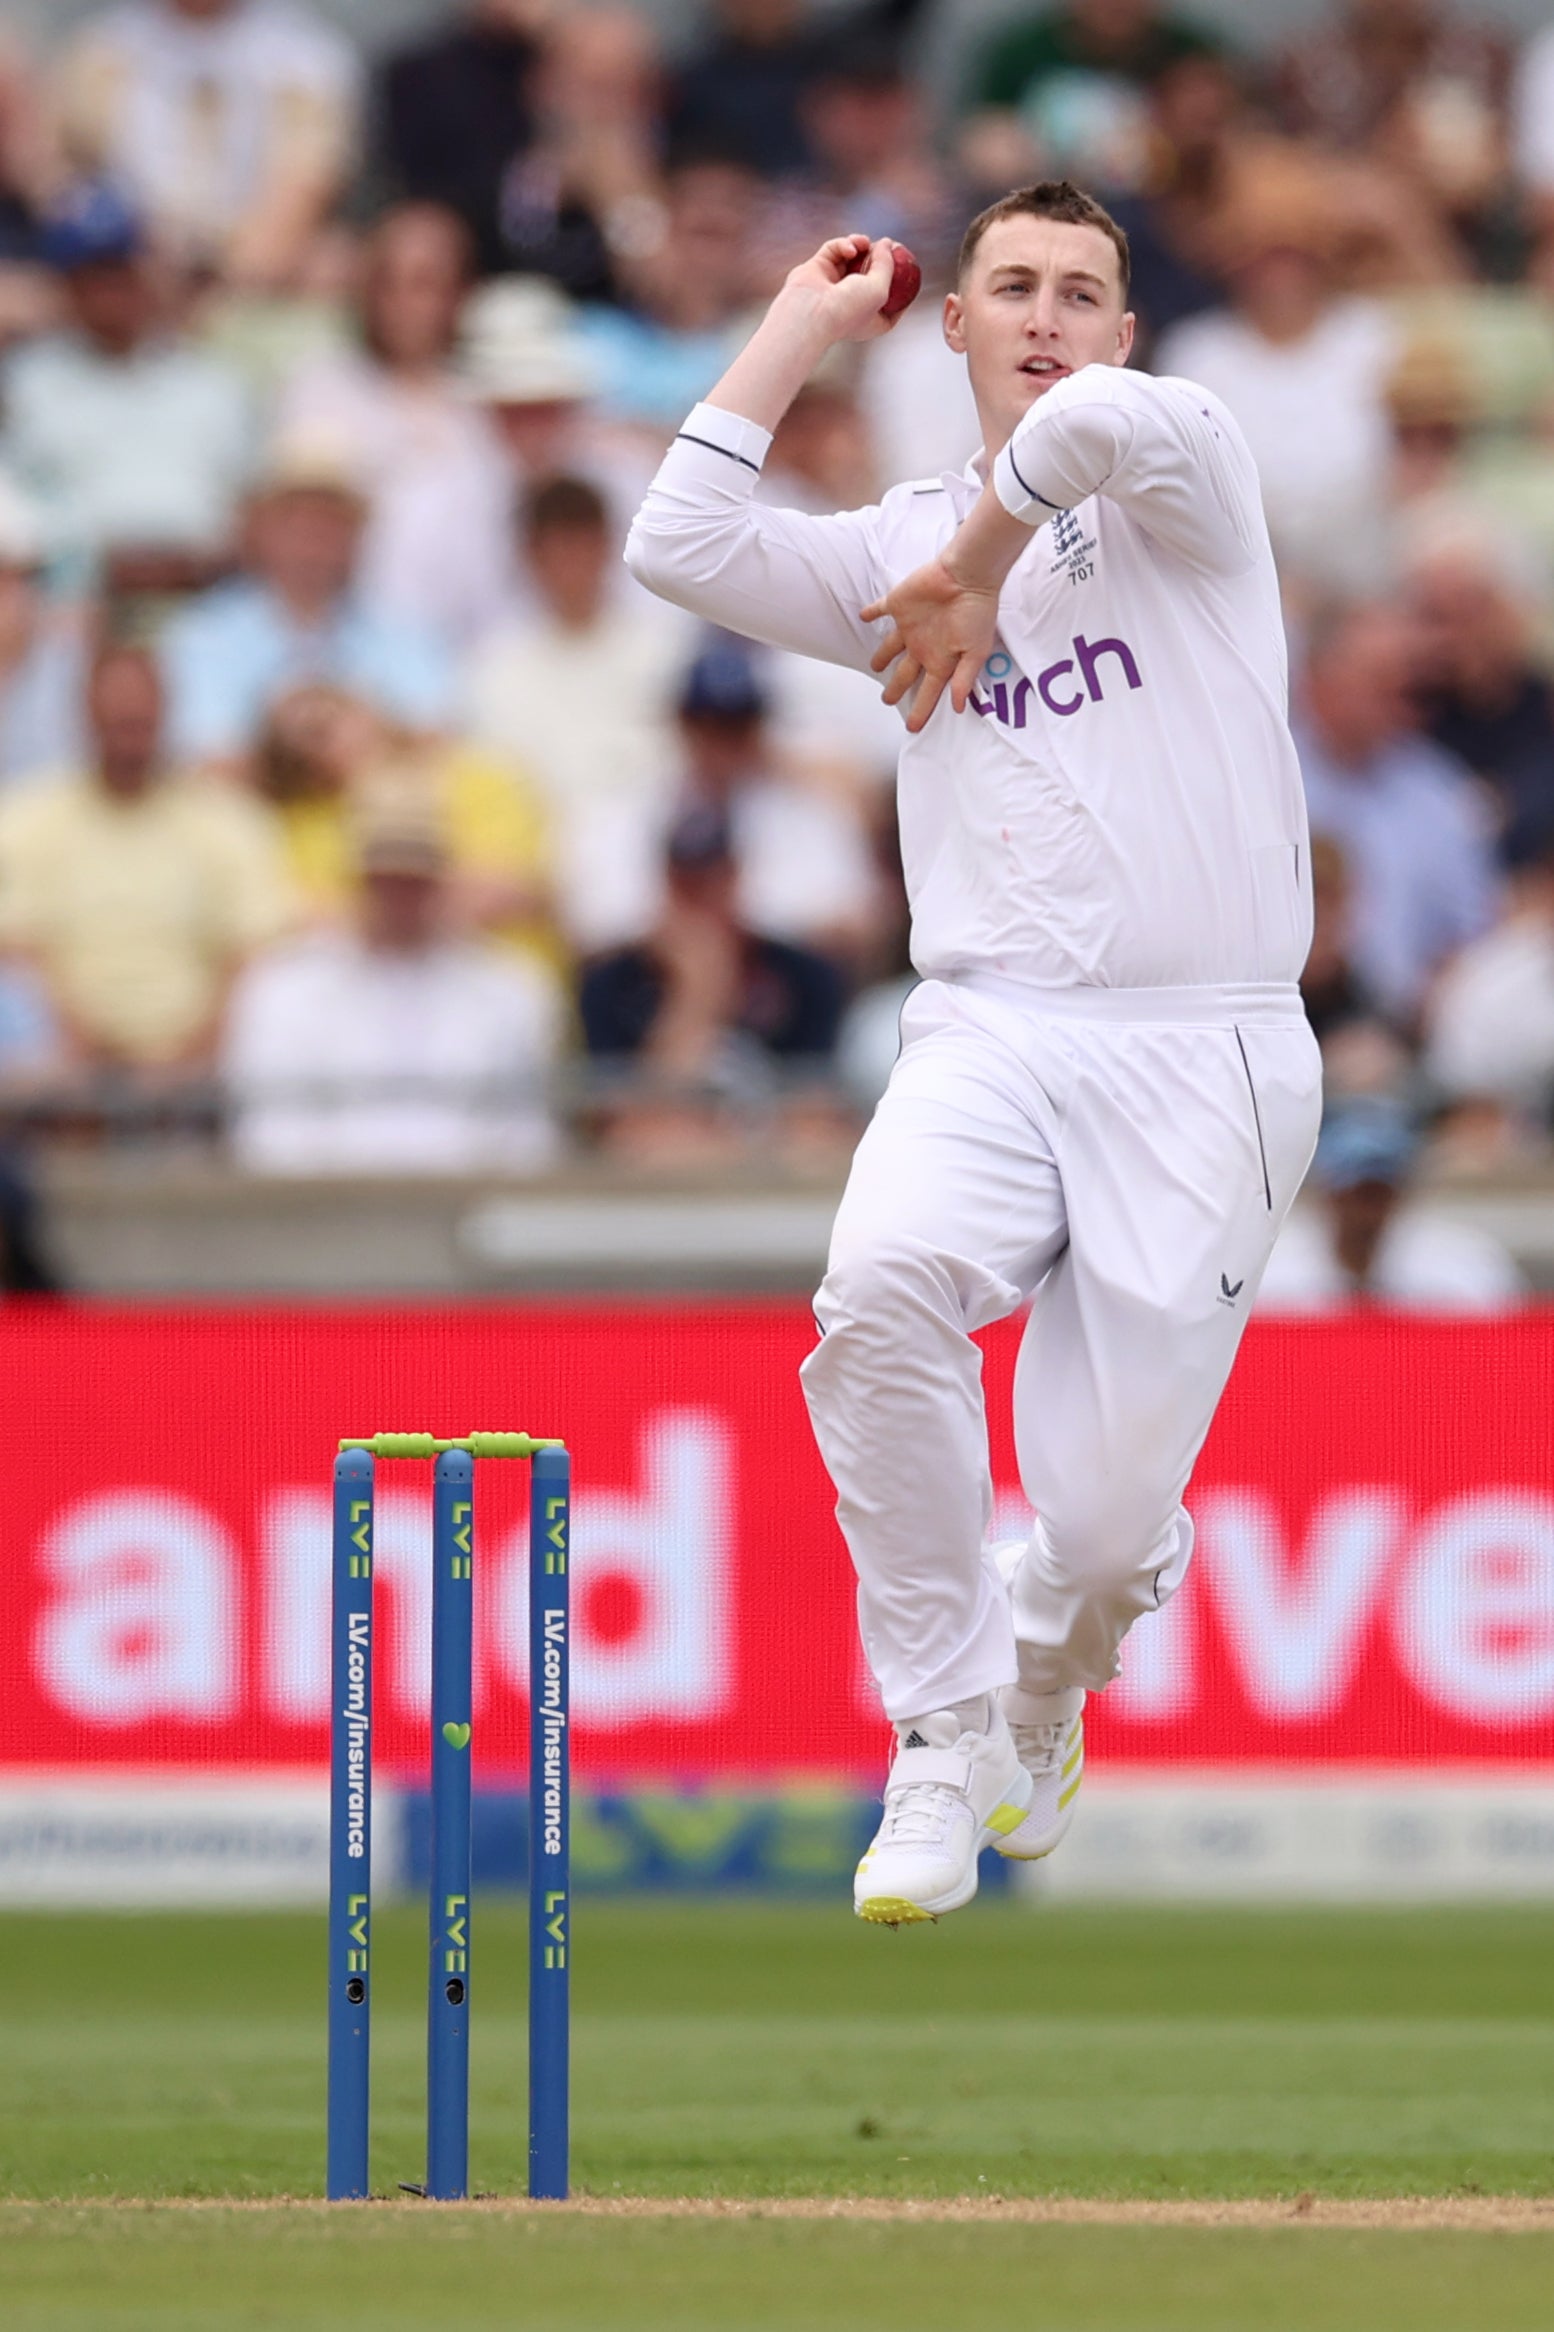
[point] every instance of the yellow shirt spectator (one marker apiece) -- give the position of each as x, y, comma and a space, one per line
137, 893
138, 912
323, 751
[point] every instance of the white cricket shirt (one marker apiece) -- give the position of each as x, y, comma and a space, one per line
1120, 806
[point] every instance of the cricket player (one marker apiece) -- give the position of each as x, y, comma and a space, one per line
1107, 1091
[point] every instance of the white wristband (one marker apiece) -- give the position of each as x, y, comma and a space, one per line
744, 441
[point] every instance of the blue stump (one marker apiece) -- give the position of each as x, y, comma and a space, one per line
350, 1829
550, 1499
447, 2039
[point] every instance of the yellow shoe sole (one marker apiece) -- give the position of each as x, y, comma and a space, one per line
893, 1911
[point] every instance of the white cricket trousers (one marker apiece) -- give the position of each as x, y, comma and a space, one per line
1124, 1156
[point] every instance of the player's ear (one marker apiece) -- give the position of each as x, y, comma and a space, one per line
1125, 332
954, 323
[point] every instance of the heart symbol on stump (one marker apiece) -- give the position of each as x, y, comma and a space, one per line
456, 1736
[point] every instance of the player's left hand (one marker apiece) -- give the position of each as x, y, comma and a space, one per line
942, 632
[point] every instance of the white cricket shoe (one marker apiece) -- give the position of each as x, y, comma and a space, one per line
1048, 1732
956, 1786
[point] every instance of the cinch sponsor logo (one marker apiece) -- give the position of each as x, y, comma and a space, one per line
1063, 687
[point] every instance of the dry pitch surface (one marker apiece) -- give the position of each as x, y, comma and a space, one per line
1121, 2120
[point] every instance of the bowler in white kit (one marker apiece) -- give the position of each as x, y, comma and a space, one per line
1107, 1091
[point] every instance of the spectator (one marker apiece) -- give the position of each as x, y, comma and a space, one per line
231, 123
296, 615
1303, 373
1333, 991
435, 553
1489, 1032
524, 363
135, 444
1432, 405
583, 194
706, 1005
25, 161
28, 295
914, 395
42, 653
828, 722
654, 362
1533, 128
870, 1035
1487, 698
1402, 810
456, 115
32, 1055
577, 694
323, 752
1361, 1052
1418, 87
26, 1266
136, 891
393, 1046
1062, 93
1174, 220
804, 874
873, 169
1365, 1241
742, 89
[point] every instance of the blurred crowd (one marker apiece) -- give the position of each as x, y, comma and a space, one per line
357, 806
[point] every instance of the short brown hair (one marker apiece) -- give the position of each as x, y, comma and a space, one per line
563, 502
1054, 198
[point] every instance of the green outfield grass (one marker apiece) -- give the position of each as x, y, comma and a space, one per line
759, 2051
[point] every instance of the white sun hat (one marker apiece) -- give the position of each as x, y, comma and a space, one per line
519, 345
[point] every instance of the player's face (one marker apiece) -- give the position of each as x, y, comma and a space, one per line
1040, 300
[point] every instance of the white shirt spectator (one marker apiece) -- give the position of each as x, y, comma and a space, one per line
340, 1059
1532, 109
200, 119
1313, 413
917, 398
438, 547
151, 448
804, 867
586, 713
1425, 1262
830, 722
1489, 1032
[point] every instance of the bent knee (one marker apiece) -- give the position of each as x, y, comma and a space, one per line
889, 1282
1119, 1546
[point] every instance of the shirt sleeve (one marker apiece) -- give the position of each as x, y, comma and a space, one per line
1158, 448
703, 541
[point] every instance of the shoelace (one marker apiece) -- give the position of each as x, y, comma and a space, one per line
918, 1814
1044, 1742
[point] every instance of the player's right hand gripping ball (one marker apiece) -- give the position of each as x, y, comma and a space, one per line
906, 278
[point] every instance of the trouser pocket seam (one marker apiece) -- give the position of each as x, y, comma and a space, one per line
1257, 1120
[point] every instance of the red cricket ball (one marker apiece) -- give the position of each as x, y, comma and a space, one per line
906, 278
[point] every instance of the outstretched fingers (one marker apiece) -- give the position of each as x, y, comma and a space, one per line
929, 690
964, 679
888, 650
904, 676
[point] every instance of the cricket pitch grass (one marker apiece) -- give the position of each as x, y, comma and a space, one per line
1136, 2120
